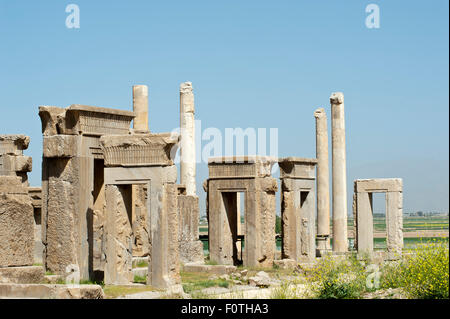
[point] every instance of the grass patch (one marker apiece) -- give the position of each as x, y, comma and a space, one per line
194, 281
140, 279
142, 264
90, 282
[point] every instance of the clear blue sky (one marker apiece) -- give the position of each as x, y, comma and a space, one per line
253, 64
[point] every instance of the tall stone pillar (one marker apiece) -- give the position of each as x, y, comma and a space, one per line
323, 181
140, 108
339, 173
187, 126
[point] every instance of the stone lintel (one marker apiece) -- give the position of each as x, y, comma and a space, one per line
36, 196
139, 149
94, 121
241, 159
379, 185
240, 167
297, 167
97, 109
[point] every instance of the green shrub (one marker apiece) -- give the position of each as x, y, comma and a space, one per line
424, 275
336, 278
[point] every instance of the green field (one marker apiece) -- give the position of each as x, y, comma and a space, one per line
411, 224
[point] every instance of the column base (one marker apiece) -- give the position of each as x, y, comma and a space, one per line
323, 246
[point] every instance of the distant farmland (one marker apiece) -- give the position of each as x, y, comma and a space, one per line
416, 230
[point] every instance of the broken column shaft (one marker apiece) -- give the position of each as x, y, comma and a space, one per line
140, 108
323, 181
187, 127
339, 173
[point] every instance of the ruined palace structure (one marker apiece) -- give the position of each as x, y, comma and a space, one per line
17, 220
141, 159
363, 213
110, 193
229, 176
298, 213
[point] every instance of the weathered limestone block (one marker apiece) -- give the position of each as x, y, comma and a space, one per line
22, 275
23, 163
141, 245
16, 165
62, 146
51, 291
379, 185
191, 248
285, 263
49, 118
60, 217
164, 260
298, 208
13, 144
394, 224
298, 167
119, 235
16, 223
171, 211
210, 269
139, 149
267, 209
268, 184
241, 166
98, 241
93, 120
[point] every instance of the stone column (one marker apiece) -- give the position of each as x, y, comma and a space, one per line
140, 108
339, 173
323, 181
187, 126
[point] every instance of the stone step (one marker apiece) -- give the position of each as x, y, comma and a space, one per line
48, 291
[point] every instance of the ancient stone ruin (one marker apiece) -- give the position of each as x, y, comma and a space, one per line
298, 213
17, 226
363, 212
110, 194
229, 176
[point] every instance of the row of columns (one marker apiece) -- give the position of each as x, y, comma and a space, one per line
339, 177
